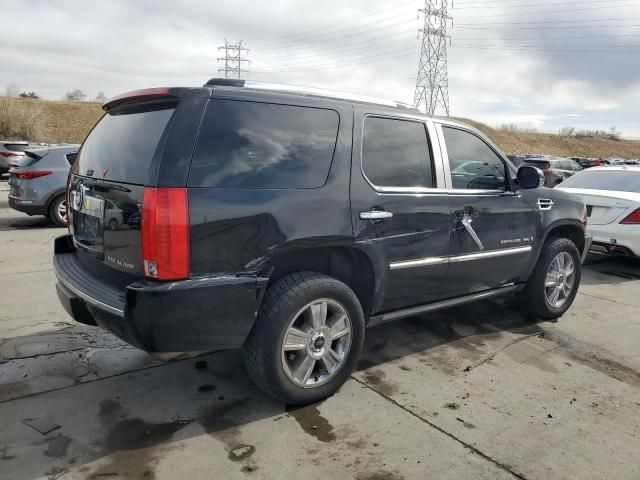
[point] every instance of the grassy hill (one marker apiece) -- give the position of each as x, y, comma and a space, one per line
60, 121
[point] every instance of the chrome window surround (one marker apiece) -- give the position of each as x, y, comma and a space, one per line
436, 162
467, 257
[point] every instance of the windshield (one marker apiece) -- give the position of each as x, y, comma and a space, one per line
121, 146
616, 180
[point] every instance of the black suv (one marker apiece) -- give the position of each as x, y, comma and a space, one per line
285, 221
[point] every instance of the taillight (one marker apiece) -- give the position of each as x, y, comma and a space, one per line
632, 218
31, 175
67, 200
8, 154
165, 233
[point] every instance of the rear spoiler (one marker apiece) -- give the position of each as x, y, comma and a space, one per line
146, 94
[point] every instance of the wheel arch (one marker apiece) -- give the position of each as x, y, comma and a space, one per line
346, 264
52, 196
573, 230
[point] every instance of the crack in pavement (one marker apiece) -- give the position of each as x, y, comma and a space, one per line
609, 300
35, 394
473, 449
38, 355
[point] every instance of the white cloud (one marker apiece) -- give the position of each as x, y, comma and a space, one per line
54, 46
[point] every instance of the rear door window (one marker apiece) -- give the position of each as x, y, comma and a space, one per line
395, 153
263, 145
122, 144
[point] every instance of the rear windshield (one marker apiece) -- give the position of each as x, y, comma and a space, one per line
33, 157
537, 163
121, 146
262, 145
16, 147
616, 180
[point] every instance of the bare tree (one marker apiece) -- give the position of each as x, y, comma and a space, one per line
75, 95
12, 90
101, 97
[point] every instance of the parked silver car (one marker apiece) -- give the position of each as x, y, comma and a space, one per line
11, 154
38, 187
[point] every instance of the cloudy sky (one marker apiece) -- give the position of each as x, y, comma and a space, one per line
537, 63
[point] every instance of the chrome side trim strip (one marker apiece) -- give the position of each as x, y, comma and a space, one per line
89, 299
408, 312
423, 262
490, 254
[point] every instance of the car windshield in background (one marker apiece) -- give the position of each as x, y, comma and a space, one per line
615, 180
121, 146
542, 164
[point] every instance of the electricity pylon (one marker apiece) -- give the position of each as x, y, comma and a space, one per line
432, 83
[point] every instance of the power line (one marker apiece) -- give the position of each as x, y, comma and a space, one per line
491, 3
472, 27
363, 60
528, 5
312, 57
288, 38
616, 49
353, 31
608, 7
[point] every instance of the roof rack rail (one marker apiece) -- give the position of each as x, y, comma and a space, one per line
319, 92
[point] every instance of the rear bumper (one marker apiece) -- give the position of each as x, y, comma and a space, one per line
28, 208
204, 314
616, 239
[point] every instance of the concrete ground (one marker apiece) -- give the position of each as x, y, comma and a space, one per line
564, 405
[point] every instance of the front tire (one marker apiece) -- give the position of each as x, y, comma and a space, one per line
554, 283
58, 211
307, 338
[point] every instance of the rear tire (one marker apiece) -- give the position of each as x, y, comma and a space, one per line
58, 211
291, 354
554, 283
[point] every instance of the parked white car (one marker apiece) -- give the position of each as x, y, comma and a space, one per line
612, 195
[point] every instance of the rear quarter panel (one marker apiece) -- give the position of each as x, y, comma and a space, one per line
240, 230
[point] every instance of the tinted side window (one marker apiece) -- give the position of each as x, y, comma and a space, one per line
262, 145
395, 153
71, 157
474, 165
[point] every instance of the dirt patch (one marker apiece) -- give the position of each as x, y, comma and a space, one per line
377, 379
57, 446
312, 422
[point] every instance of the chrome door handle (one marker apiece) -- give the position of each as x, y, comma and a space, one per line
375, 215
465, 221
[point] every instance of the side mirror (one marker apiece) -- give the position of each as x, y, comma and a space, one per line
530, 177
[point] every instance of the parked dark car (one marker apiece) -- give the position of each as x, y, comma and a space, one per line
555, 169
38, 187
284, 221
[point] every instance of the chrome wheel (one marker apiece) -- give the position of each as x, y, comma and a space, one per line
316, 343
560, 279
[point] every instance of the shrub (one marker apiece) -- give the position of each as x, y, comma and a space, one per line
20, 119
